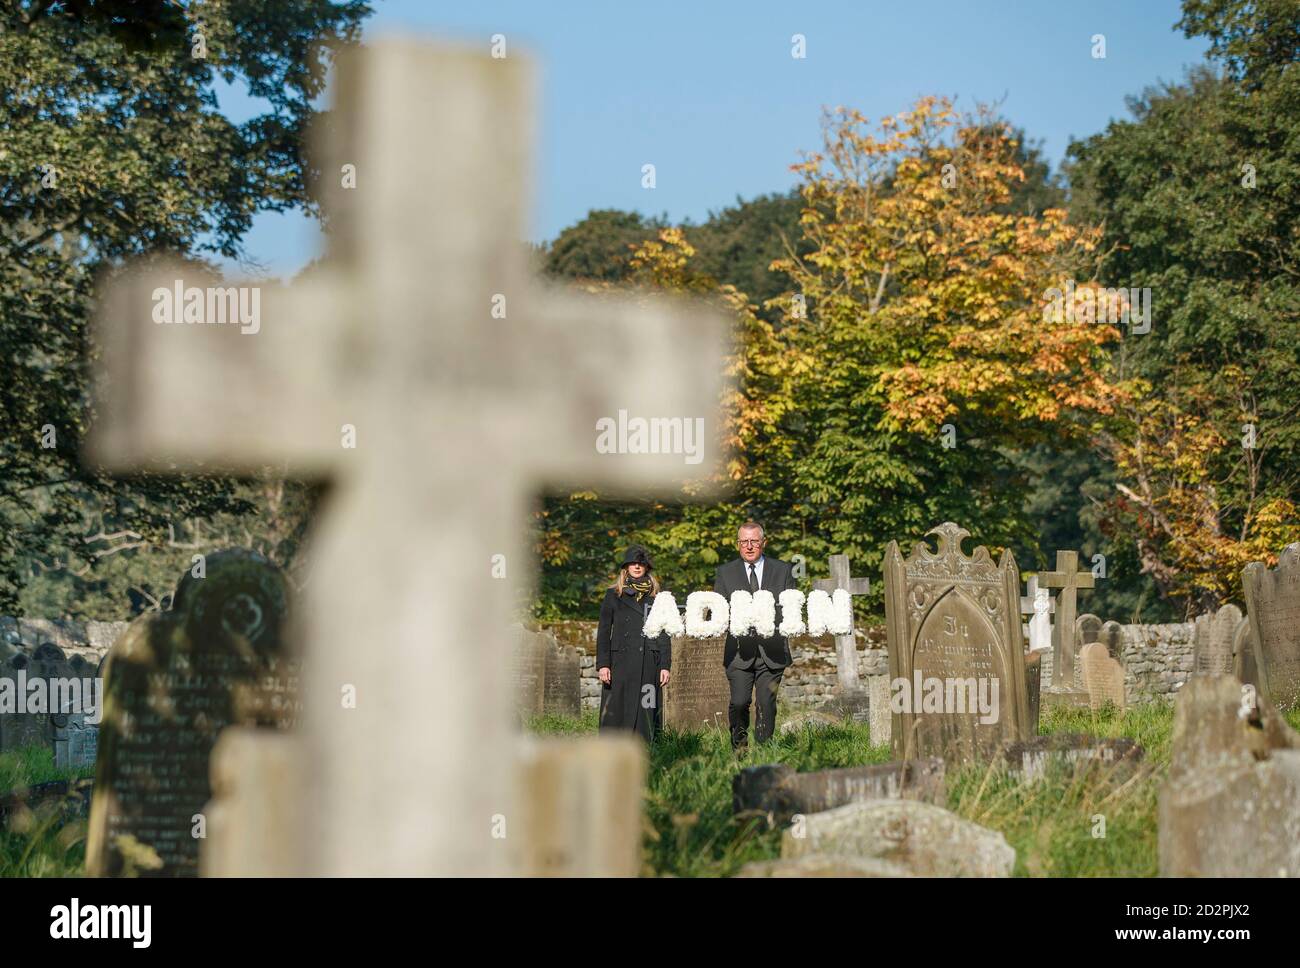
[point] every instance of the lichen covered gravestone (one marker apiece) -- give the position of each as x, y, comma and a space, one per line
174, 681
1103, 677
954, 637
1273, 604
1214, 635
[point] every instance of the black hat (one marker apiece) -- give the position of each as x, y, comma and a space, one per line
636, 555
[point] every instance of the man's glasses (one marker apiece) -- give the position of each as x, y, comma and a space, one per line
751, 543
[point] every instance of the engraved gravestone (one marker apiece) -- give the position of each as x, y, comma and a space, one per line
1103, 677
174, 681
1212, 649
528, 671
697, 694
1087, 628
1034, 687
561, 680
1273, 604
954, 641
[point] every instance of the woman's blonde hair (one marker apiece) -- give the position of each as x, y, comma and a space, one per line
621, 581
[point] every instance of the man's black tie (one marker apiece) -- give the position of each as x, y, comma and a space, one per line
753, 579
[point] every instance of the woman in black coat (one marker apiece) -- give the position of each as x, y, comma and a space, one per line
632, 668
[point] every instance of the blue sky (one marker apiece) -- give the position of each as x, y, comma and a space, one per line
709, 93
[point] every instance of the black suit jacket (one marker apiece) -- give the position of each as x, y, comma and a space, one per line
733, 577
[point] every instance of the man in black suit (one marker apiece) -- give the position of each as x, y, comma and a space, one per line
754, 664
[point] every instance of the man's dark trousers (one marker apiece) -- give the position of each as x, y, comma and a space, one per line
761, 682
754, 664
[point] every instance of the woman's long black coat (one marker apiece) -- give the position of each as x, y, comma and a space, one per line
634, 662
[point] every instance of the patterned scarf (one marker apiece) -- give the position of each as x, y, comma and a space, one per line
639, 588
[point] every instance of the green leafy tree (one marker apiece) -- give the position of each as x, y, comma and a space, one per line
115, 147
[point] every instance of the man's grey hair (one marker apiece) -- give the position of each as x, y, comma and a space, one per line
751, 526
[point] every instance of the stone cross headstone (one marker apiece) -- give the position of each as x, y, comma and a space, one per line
1069, 580
849, 683
1103, 677
1040, 606
174, 681
1273, 606
697, 694
1214, 634
440, 389
954, 620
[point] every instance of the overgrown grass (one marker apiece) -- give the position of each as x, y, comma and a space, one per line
42, 841
1054, 824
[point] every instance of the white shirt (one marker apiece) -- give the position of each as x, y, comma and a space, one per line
758, 570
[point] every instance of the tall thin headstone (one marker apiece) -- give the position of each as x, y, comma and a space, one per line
954, 619
424, 373
1039, 605
1243, 655
1273, 605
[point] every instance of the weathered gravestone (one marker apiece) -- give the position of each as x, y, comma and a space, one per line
778, 793
1069, 580
440, 389
29, 702
954, 635
881, 716
1273, 604
1214, 634
1243, 655
1103, 677
547, 676
76, 726
174, 681
850, 696
1087, 629
697, 694
1032, 760
1230, 806
924, 839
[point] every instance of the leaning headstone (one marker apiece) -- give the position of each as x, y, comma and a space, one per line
1231, 804
1243, 655
777, 792
954, 626
1033, 760
1273, 605
1212, 651
923, 839
881, 717
336, 391
697, 694
174, 682
1103, 677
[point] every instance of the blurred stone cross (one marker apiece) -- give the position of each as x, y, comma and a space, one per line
849, 685
1069, 580
440, 390
1038, 604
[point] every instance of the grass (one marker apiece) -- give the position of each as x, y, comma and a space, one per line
691, 832
42, 841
